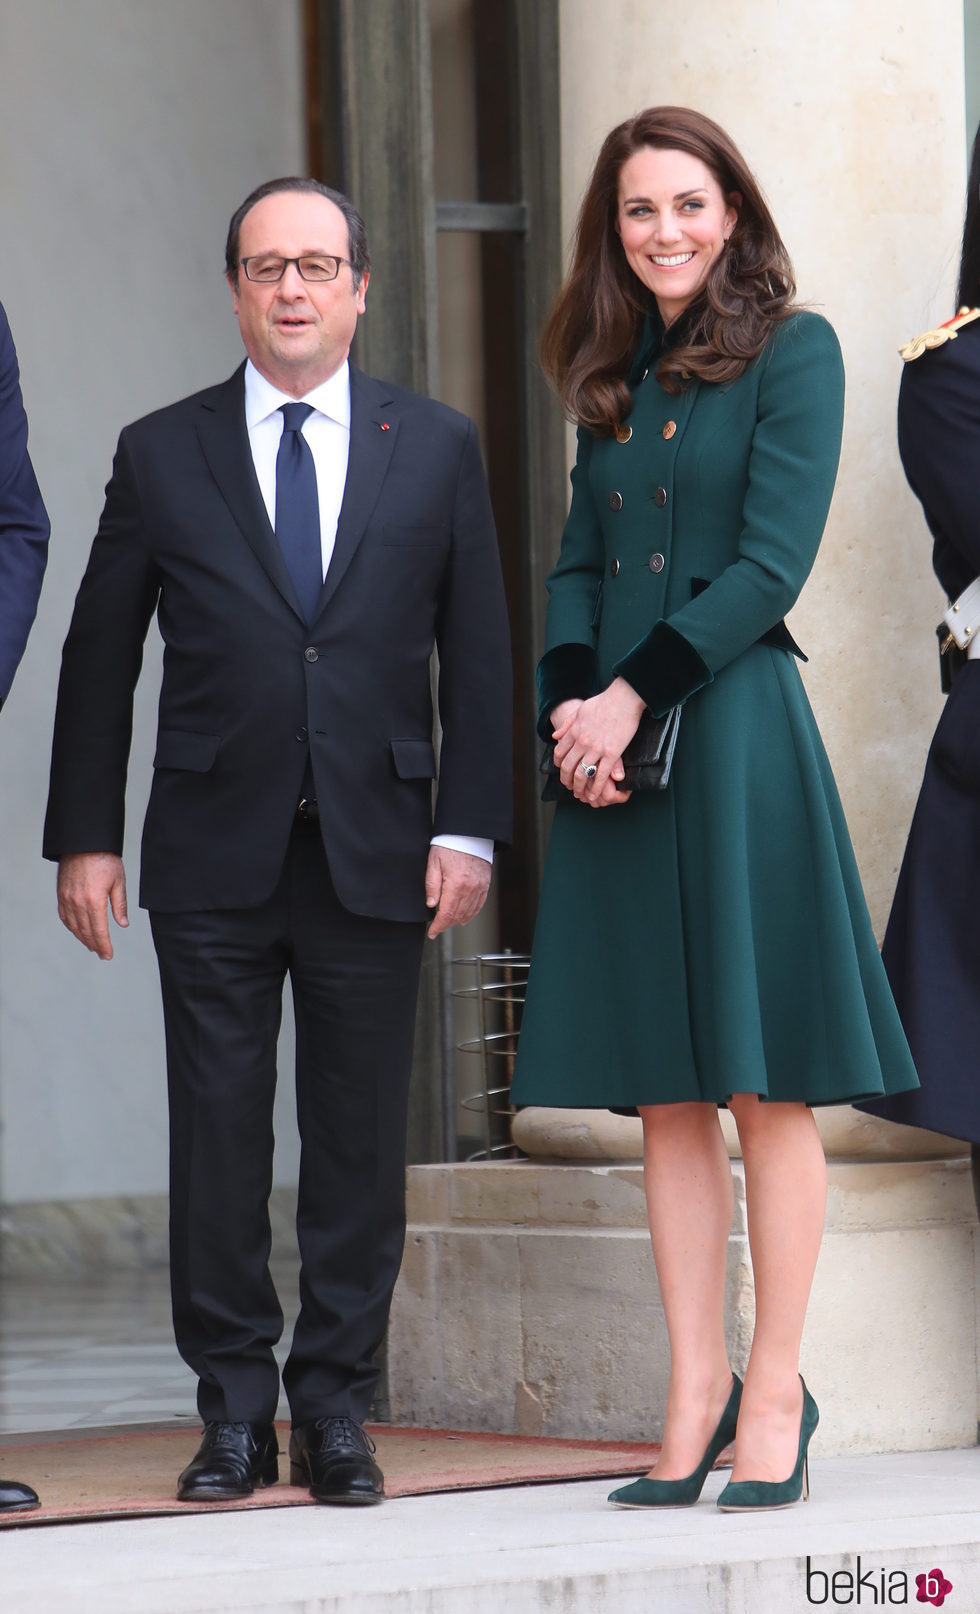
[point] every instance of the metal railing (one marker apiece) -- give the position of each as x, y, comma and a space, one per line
497, 991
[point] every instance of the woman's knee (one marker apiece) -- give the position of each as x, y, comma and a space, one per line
759, 1119
672, 1120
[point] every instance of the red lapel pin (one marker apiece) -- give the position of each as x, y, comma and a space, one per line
384, 426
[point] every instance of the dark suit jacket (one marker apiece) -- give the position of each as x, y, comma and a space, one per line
24, 526
938, 439
249, 689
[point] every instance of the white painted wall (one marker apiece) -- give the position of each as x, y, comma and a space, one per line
129, 132
852, 118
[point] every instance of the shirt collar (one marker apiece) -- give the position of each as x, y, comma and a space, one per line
330, 398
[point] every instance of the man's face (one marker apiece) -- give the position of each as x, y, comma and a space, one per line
297, 332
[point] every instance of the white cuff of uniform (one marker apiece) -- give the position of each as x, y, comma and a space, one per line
475, 845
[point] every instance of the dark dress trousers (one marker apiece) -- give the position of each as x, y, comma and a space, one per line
239, 894
24, 526
932, 943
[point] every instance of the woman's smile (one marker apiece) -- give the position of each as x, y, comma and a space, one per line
673, 221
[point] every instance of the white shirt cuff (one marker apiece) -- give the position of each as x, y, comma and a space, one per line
475, 845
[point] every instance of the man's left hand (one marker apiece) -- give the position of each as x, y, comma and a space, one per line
456, 885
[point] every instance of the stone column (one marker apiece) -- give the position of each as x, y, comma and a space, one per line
847, 1134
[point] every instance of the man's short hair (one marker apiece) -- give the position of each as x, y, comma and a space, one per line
357, 247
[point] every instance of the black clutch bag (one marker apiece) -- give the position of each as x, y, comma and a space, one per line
647, 759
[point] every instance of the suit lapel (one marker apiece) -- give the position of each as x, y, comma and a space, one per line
224, 440
372, 440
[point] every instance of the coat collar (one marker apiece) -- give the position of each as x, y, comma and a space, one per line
224, 440
648, 346
373, 431
655, 338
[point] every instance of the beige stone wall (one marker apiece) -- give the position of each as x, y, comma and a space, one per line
853, 119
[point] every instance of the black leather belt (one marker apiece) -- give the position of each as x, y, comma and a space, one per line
307, 810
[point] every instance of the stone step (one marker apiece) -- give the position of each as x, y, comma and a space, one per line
551, 1549
528, 1302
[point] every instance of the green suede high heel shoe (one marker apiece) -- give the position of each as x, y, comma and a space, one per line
744, 1496
683, 1493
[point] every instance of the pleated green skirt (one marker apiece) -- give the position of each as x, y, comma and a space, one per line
713, 939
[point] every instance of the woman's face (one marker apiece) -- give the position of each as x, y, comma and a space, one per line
674, 220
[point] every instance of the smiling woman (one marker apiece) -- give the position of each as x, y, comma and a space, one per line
671, 237
669, 183
707, 944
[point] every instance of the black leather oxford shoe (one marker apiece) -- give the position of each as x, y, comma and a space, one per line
16, 1498
335, 1458
232, 1459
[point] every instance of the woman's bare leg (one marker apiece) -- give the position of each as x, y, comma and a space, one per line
688, 1182
786, 1199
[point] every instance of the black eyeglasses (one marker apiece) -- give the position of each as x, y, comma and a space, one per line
266, 269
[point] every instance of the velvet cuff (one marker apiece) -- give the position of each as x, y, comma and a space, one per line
664, 668
565, 672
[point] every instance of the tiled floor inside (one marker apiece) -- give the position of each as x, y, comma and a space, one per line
83, 1353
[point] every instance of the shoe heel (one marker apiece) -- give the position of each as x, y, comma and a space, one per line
298, 1475
269, 1472
744, 1496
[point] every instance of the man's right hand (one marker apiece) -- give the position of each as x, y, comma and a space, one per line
88, 883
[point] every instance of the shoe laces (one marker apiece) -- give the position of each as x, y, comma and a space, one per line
222, 1433
346, 1432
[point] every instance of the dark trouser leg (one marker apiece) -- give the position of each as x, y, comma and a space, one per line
355, 987
222, 975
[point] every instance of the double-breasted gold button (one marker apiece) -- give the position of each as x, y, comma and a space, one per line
668, 429
614, 568
660, 496
623, 434
615, 501
656, 563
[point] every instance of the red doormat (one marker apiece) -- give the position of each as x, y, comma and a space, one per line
100, 1475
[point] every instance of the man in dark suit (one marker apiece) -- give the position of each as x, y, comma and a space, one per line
24, 533
306, 535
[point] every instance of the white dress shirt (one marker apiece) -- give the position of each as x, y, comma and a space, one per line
327, 431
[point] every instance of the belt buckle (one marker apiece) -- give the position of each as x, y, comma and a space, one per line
306, 809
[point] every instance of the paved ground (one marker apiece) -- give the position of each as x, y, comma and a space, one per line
84, 1354
556, 1548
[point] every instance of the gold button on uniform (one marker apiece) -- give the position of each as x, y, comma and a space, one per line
615, 501
614, 568
660, 497
623, 434
669, 428
656, 563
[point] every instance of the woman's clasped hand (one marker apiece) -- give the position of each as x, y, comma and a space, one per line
594, 733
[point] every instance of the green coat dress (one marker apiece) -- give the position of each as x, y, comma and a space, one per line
713, 938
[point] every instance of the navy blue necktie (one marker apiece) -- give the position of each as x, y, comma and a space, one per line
298, 509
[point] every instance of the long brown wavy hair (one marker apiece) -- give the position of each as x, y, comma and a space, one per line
593, 330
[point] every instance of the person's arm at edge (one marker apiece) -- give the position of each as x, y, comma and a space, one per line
24, 525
